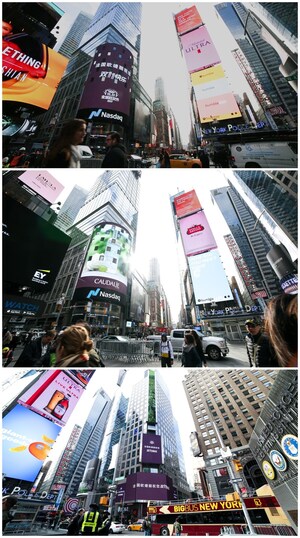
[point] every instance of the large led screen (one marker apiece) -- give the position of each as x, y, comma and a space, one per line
105, 270
209, 279
186, 203
207, 75
108, 86
199, 50
150, 486
31, 71
43, 183
220, 107
151, 449
33, 249
55, 396
187, 20
196, 234
27, 439
211, 89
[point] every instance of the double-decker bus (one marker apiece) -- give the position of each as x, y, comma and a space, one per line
208, 518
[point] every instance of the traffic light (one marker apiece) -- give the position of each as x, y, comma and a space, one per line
104, 500
237, 465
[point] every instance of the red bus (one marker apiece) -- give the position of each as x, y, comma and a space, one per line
208, 518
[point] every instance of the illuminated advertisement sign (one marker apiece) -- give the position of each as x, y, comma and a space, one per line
148, 486
196, 234
210, 89
186, 203
25, 306
209, 279
43, 184
187, 20
27, 439
31, 71
104, 274
207, 75
215, 506
199, 50
220, 107
151, 449
55, 396
109, 82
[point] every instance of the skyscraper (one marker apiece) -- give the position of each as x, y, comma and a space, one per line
160, 92
70, 208
75, 34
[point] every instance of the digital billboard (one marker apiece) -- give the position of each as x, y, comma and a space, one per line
207, 75
220, 107
108, 86
43, 183
199, 50
209, 279
196, 234
186, 203
33, 249
27, 439
210, 89
55, 396
187, 20
22, 306
105, 270
31, 71
148, 486
151, 448
137, 301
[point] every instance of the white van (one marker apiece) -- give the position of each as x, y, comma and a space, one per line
264, 155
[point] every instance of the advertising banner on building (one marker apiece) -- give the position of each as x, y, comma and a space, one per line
31, 71
33, 249
209, 279
22, 306
221, 107
104, 274
43, 183
196, 234
54, 395
207, 90
151, 448
27, 439
148, 486
186, 203
207, 75
108, 86
199, 50
187, 20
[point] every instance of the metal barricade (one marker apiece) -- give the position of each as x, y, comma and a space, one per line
131, 352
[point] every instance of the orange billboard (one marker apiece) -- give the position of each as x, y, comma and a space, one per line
186, 204
30, 70
187, 20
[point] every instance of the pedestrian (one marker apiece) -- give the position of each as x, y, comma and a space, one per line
147, 526
6, 337
74, 527
199, 347
115, 156
8, 502
18, 159
177, 527
5, 162
95, 358
103, 530
190, 356
90, 521
7, 356
166, 352
164, 159
14, 341
281, 325
65, 153
204, 158
73, 347
37, 352
259, 348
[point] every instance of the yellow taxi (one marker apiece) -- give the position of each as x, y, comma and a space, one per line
136, 526
180, 160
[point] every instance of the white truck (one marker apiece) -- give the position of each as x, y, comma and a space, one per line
213, 346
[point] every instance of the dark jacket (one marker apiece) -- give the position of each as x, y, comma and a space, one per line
95, 360
190, 357
200, 352
32, 355
115, 157
260, 351
74, 526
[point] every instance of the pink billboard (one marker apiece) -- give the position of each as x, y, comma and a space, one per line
211, 89
186, 203
55, 396
43, 184
220, 107
196, 234
199, 50
187, 20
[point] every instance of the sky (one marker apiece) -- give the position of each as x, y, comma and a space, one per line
107, 378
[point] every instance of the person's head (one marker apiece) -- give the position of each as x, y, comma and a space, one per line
48, 337
253, 326
73, 132
93, 506
189, 339
6, 28
281, 324
164, 337
9, 501
82, 323
74, 340
112, 139
80, 511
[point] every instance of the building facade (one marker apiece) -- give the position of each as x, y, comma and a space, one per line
73, 38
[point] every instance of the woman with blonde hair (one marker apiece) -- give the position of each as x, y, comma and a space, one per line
73, 347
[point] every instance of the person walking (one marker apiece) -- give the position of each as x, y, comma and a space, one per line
166, 352
199, 347
164, 159
177, 527
73, 347
281, 325
147, 526
65, 153
90, 521
8, 502
115, 153
259, 348
74, 527
190, 356
36, 352
103, 530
